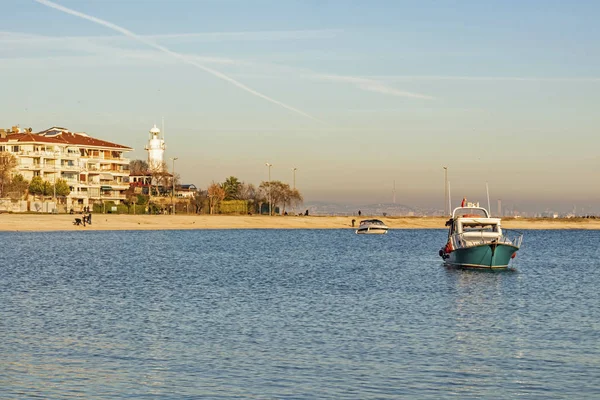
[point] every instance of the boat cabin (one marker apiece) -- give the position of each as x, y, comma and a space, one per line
473, 224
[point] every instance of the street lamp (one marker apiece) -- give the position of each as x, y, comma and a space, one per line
294, 171
54, 176
269, 165
446, 205
173, 193
53, 187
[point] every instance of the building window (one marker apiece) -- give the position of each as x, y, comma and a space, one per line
15, 149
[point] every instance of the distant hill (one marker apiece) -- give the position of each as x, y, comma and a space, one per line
389, 209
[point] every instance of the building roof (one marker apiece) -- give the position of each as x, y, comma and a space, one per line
57, 135
186, 186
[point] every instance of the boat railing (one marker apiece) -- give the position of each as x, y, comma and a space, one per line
475, 238
512, 237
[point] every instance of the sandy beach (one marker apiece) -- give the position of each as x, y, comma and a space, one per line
63, 222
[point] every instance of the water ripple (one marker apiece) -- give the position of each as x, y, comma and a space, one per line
294, 314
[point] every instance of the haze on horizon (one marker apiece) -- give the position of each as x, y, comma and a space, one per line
500, 92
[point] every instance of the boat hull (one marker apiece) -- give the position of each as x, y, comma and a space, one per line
496, 256
372, 231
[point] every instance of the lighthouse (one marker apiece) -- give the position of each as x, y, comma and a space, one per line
156, 150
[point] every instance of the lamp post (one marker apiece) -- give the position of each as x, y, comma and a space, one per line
294, 171
269, 165
173, 193
54, 187
446, 205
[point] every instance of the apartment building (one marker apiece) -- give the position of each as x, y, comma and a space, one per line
96, 170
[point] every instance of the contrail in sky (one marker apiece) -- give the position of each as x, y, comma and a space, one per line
179, 56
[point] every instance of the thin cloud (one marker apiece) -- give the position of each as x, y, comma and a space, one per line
175, 55
372, 85
408, 78
250, 36
313, 34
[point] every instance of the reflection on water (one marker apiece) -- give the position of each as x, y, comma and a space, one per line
294, 314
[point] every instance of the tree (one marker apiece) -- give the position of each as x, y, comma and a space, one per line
232, 186
272, 192
62, 188
197, 201
47, 189
216, 194
159, 176
176, 179
138, 167
291, 197
280, 194
36, 186
249, 193
7, 163
17, 186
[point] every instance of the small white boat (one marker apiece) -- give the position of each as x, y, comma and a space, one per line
372, 226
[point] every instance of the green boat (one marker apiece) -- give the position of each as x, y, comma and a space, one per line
475, 240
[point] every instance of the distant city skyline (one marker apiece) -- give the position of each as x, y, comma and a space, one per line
353, 95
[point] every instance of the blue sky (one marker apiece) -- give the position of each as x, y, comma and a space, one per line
504, 92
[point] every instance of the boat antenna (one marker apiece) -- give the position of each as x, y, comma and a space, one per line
449, 199
487, 189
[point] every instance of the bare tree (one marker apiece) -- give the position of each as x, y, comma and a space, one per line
279, 193
216, 194
296, 198
160, 176
248, 192
138, 167
291, 197
198, 200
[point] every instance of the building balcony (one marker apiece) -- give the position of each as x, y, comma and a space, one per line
33, 167
109, 197
47, 154
103, 159
120, 185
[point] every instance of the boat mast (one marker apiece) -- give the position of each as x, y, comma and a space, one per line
449, 211
449, 199
487, 189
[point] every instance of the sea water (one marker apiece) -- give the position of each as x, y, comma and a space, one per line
294, 314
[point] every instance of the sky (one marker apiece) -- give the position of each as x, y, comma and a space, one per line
356, 95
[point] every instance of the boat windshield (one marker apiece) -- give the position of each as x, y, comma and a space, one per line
372, 222
477, 227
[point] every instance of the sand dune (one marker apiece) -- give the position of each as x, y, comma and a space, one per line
62, 222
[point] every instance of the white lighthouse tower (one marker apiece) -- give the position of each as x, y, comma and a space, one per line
156, 149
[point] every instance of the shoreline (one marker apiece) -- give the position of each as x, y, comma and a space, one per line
112, 222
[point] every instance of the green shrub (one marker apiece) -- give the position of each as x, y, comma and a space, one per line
234, 207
